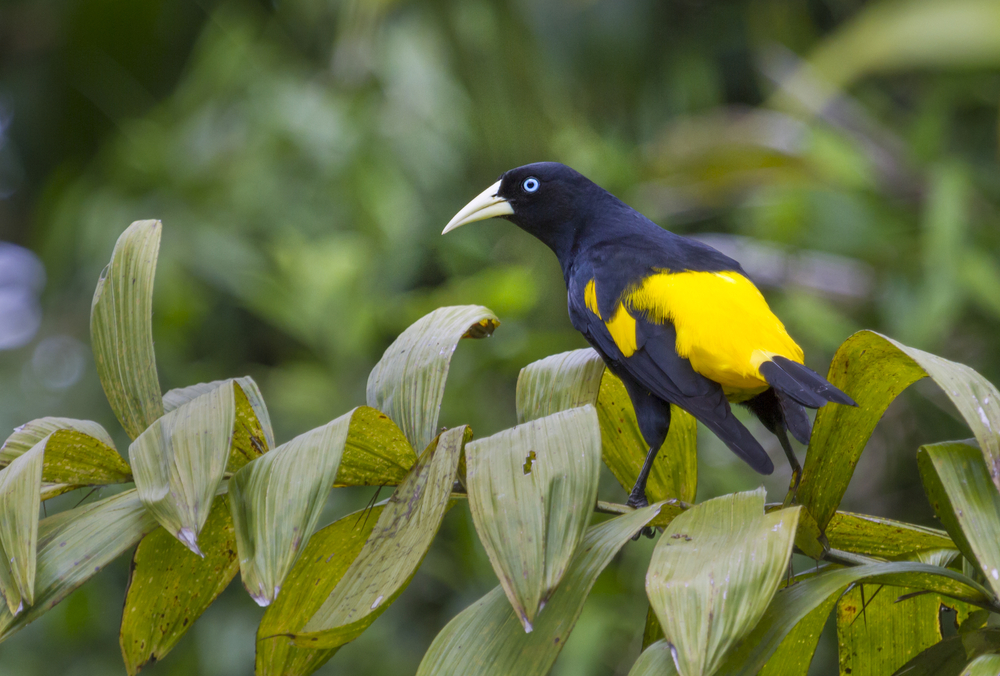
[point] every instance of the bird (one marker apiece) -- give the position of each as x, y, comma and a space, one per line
675, 319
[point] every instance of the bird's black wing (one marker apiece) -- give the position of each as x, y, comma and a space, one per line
656, 366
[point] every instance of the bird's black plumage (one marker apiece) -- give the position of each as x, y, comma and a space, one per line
620, 270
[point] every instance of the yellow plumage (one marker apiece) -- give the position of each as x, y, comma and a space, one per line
724, 326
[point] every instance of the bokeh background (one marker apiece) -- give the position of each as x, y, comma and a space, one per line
304, 156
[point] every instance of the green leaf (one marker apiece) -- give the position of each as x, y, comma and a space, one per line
391, 556
74, 545
675, 469
169, 587
950, 656
408, 382
877, 634
966, 501
795, 653
19, 500
652, 631
487, 638
558, 383
276, 501
376, 454
180, 459
121, 328
578, 377
984, 665
656, 660
531, 492
874, 369
713, 573
791, 604
252, 432
884, 538
77, 453
324, 561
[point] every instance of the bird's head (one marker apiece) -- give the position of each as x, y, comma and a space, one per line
542, 198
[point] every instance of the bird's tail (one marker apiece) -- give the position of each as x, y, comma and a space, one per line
801, 384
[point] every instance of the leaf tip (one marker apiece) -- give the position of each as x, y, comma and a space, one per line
190, 540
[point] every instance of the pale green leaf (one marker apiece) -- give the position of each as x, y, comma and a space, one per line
276, 501
77, 453
169, 587
796, 651
121, 328
713, 573
984, 665
873, 370
408, 382
376, 454
558, 383
970, 506
180, 459
656, 660
390, 558
19, 500
74, 545
487, 639
792, 604
531, 492
324, 561
877, 635
950, 656
252, 433
884, 538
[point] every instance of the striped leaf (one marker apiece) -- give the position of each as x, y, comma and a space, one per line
874, 370
487, 638
951, 656
713, 573
964, 498
656, 660
19, 500
531, 492
74, 545
884, 538
180, 459
408, 382
77, 453
984, 665
276, 501
377, 453
169, 587
578, 377
390, 557
121, 328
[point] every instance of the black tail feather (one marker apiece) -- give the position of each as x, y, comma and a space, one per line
739, 440
796, 420
778, 413
801, 383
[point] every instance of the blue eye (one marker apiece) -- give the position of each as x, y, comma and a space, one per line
530, 184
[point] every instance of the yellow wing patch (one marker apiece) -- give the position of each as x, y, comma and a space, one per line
621, 326
590, 298
724, 326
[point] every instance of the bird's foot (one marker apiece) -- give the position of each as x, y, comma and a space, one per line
637, 500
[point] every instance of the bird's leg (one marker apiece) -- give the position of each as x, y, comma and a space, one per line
637, 498
786, 446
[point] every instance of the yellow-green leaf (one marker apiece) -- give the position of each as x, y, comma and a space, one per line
408, 382
795, 653
964, 498
389, 559
376, 454
19, 500
531, 492
877, 635
487, 639
874, 369
713, 573
77, 453
950, 656
276, 501
169, 587
324, 561
121, 328
74, 545
884, 538
180, 459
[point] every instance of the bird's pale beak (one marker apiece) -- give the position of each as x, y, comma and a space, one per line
486, 205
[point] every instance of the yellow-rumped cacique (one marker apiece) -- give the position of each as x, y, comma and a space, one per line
676, 320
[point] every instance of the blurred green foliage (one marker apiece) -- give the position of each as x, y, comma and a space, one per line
304, 156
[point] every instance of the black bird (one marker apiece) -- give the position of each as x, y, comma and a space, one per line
679, 322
